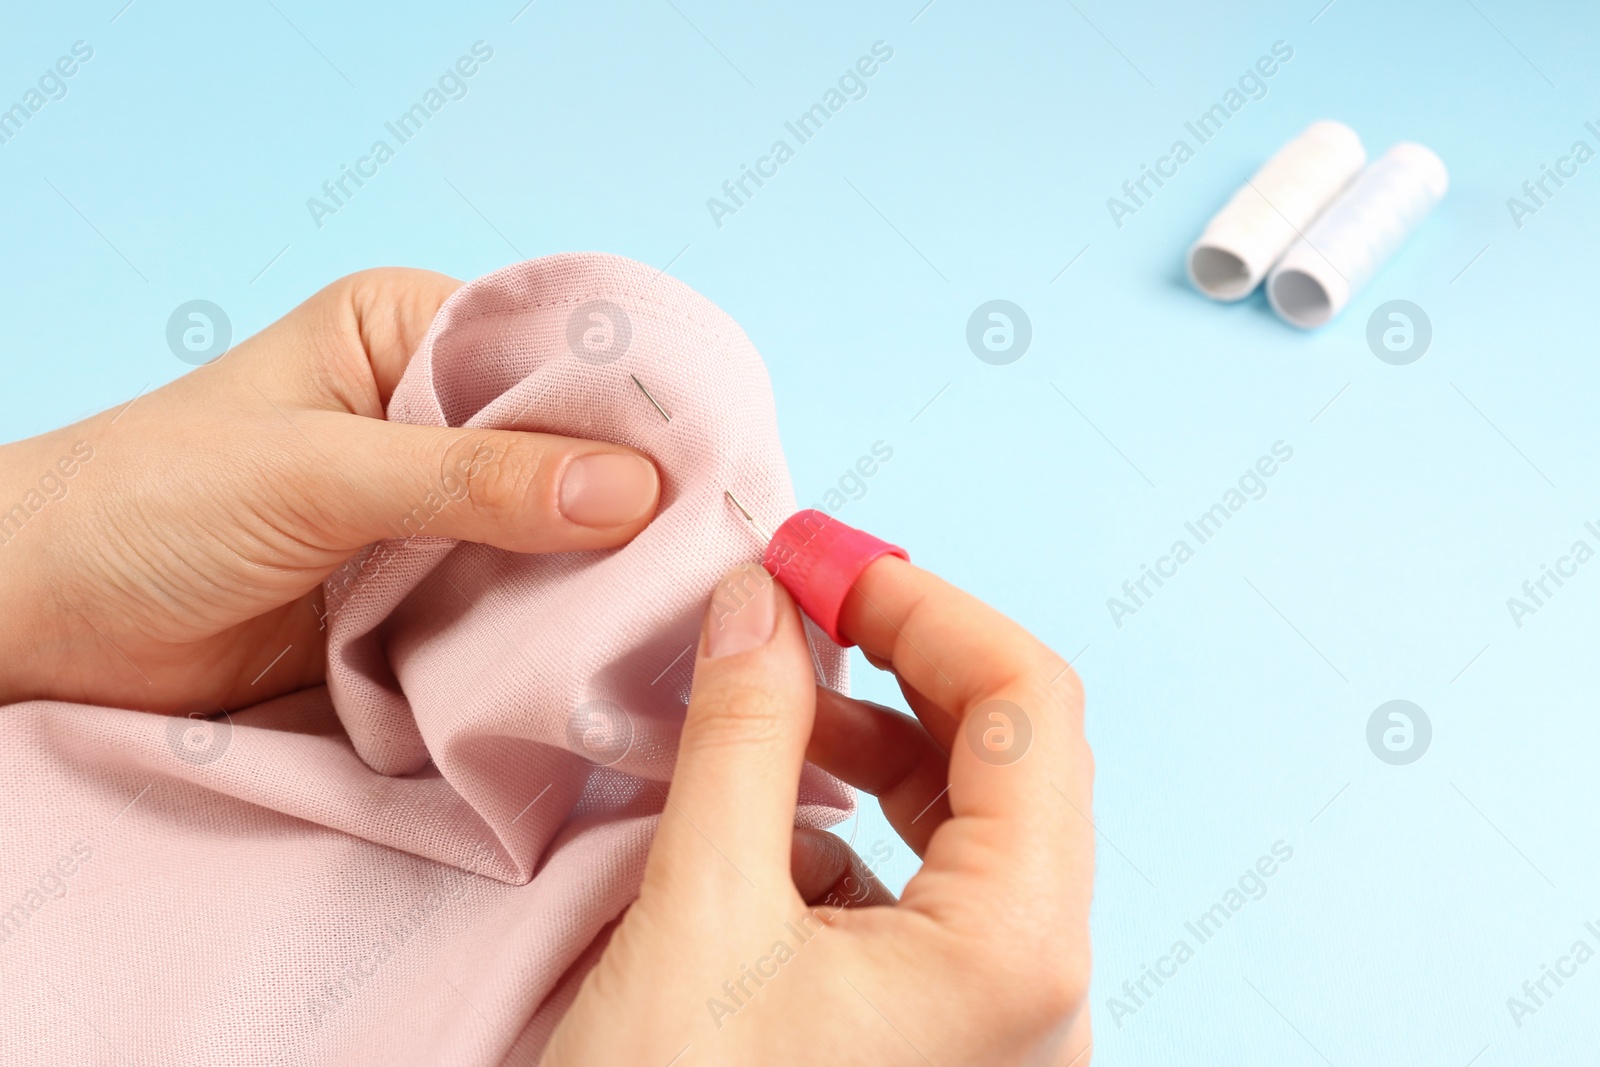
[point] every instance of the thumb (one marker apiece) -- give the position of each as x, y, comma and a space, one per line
525, 492
729, 818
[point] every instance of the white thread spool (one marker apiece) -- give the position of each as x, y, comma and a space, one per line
1243, 240
1345, 247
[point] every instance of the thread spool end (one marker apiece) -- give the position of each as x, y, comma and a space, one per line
1220, 274
1300, 299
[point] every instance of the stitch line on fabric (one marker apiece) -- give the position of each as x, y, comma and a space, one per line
681, 315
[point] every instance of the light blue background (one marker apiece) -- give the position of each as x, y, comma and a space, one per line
1224, 717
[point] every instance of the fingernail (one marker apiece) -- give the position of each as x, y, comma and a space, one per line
607, 489
743, 613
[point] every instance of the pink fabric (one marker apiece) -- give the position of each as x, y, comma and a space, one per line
418, 863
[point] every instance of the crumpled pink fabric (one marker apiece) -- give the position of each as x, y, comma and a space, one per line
417, 863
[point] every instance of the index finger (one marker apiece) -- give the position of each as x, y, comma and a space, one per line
1014, 707
1008, 876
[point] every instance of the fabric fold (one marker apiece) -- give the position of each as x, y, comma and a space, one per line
418, 862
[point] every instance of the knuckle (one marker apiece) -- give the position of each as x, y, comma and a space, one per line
1043, 993
1085, 765
398, 289
1068, 684
1061, 989
1056, 692
734, 716
492, 472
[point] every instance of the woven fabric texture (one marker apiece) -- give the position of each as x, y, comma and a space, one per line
418, 862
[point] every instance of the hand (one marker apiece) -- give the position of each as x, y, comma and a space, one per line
162, 555
752, 942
